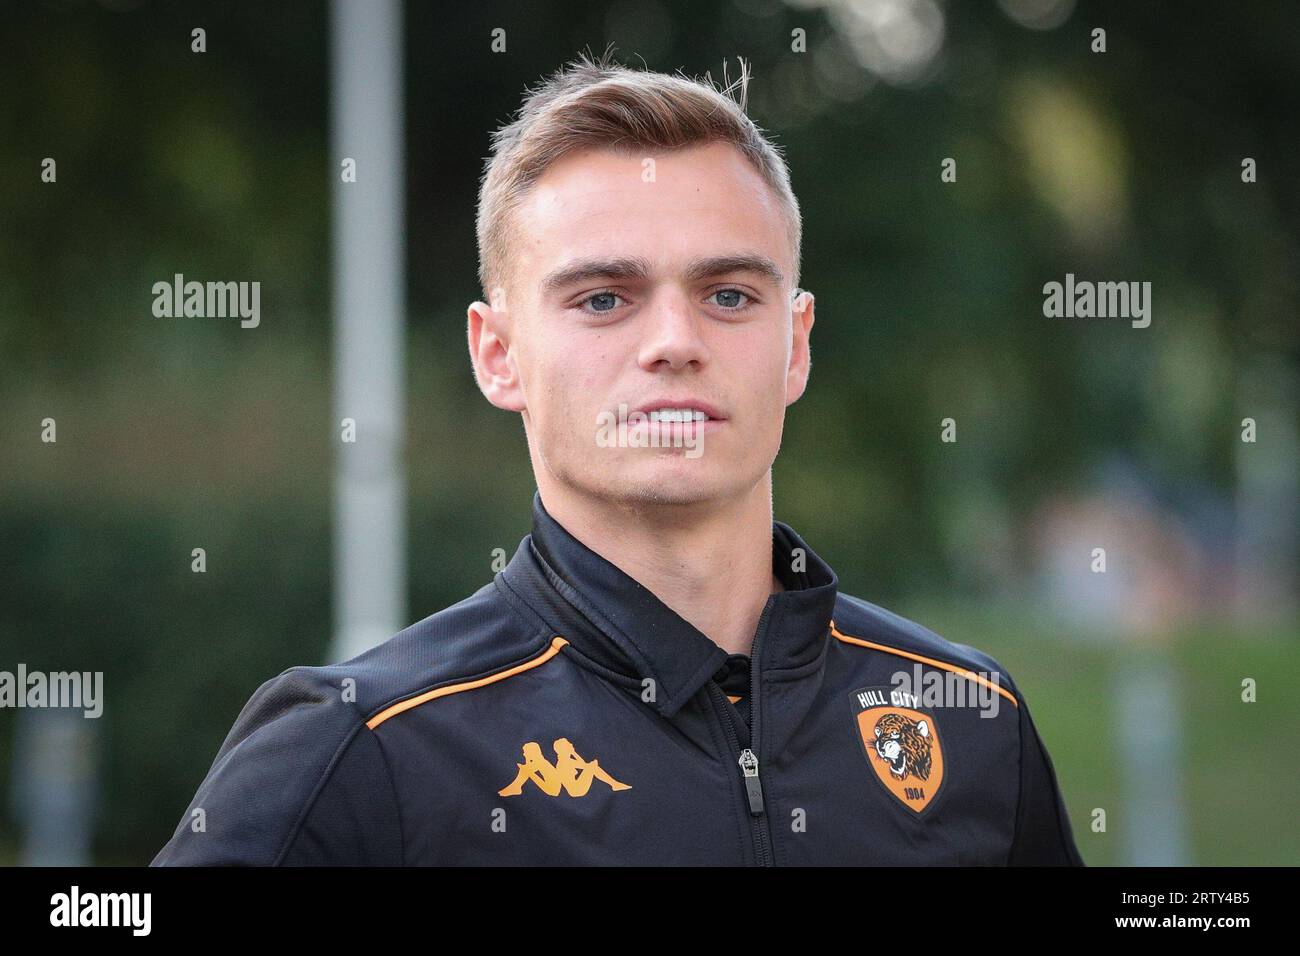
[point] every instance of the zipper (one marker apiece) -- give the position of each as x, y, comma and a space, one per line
747, 758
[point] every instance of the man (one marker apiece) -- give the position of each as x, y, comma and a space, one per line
662, 674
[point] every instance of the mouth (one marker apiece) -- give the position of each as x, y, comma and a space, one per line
678, 423
678, 416
680, 411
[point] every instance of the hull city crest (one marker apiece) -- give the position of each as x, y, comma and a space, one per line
902, 745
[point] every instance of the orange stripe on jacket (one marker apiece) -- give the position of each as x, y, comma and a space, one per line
969, 675
556, 643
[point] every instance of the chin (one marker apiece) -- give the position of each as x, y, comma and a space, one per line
672, 493
671, 482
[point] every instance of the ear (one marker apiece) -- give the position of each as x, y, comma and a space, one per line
490, 353
801, 323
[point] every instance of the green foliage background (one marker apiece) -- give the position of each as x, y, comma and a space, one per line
175, 434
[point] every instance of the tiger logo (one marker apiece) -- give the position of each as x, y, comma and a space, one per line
904, 744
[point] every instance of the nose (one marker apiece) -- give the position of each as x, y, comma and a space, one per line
672, 332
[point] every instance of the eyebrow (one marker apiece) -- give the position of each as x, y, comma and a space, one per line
637, 267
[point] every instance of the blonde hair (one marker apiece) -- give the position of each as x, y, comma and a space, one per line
602, 104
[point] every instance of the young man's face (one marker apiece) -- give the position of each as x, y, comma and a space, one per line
620, 296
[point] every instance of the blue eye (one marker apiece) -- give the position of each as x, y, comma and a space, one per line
601, 295
599, 303
732, 306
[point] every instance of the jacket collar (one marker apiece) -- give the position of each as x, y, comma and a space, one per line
622, 625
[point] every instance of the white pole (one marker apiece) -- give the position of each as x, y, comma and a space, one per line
1268, 486
1151, 756
369, 311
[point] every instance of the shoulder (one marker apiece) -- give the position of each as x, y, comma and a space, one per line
276, 759
480, 635
302, 739
860, 623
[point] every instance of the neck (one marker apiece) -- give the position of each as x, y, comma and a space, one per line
710, 562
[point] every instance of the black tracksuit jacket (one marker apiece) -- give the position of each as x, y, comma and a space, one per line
564, 715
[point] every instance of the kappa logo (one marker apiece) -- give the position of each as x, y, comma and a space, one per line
901, 744
569, 773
